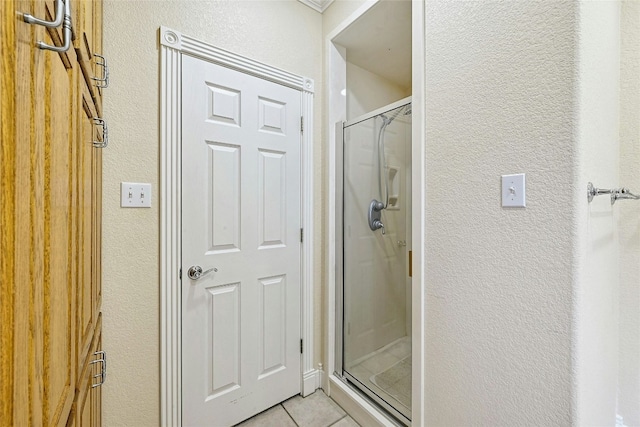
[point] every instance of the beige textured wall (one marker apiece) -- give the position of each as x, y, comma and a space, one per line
629, 362
500, 99
285, 34
367, 92
338, 11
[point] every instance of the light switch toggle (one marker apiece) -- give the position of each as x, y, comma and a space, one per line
135, 195
513, 191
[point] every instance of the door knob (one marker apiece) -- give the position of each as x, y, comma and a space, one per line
195, 272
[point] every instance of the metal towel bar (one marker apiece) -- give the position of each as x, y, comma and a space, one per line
616, 193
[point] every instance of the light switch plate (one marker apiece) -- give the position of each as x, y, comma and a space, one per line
513, 191
135, 195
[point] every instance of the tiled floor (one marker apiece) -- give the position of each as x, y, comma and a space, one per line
318, 410
315, 410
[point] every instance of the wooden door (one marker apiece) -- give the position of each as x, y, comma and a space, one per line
241, 214
47, 222
42, 271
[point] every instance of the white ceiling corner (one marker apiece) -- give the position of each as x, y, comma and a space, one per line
319, 5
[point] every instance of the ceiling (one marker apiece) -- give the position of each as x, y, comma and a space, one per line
380, 41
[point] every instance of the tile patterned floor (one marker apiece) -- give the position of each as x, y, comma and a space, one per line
315, 410
318, 410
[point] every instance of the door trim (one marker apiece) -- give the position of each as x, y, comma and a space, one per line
173, 45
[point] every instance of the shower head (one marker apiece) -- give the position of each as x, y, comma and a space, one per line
387, 120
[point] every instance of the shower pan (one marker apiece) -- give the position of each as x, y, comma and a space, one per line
373, 257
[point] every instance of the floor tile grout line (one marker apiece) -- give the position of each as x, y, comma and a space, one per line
337, 421
290, 416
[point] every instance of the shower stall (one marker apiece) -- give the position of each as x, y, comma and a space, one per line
373, 348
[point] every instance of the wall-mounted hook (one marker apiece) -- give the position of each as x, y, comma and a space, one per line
57, 21
102, 82
105, 133
66, 28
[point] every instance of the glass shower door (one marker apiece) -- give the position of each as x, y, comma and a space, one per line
376, 278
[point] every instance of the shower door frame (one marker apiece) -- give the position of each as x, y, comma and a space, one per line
339, 253
339, 216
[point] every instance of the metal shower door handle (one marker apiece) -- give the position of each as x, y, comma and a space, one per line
195, 272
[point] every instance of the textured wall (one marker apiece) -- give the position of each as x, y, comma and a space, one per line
629, 374
596, 241
285, 34
362, 98
501, 83
338, 11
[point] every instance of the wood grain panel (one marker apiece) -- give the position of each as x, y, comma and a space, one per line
85, 189
96, 392
96, 200
58, 309
87, 407
7, 208
97, 43
37, 173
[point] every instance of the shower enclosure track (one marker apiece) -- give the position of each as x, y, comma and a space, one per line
378, 112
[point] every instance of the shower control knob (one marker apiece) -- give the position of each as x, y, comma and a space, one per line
377, 224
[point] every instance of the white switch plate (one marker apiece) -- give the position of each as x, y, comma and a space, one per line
513, 191
135, 195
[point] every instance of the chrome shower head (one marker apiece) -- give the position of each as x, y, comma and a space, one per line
405, 109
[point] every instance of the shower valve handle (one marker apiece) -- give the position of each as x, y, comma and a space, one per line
377, 224
375, 208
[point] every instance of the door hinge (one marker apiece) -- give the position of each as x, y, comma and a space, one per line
301, 347
180, 274
301, 124
301, 235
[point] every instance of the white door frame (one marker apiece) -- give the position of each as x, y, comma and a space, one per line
336, 112
173, 45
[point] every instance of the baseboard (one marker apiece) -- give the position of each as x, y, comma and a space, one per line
311, 381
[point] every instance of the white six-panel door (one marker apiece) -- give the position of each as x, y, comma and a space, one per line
240, 215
